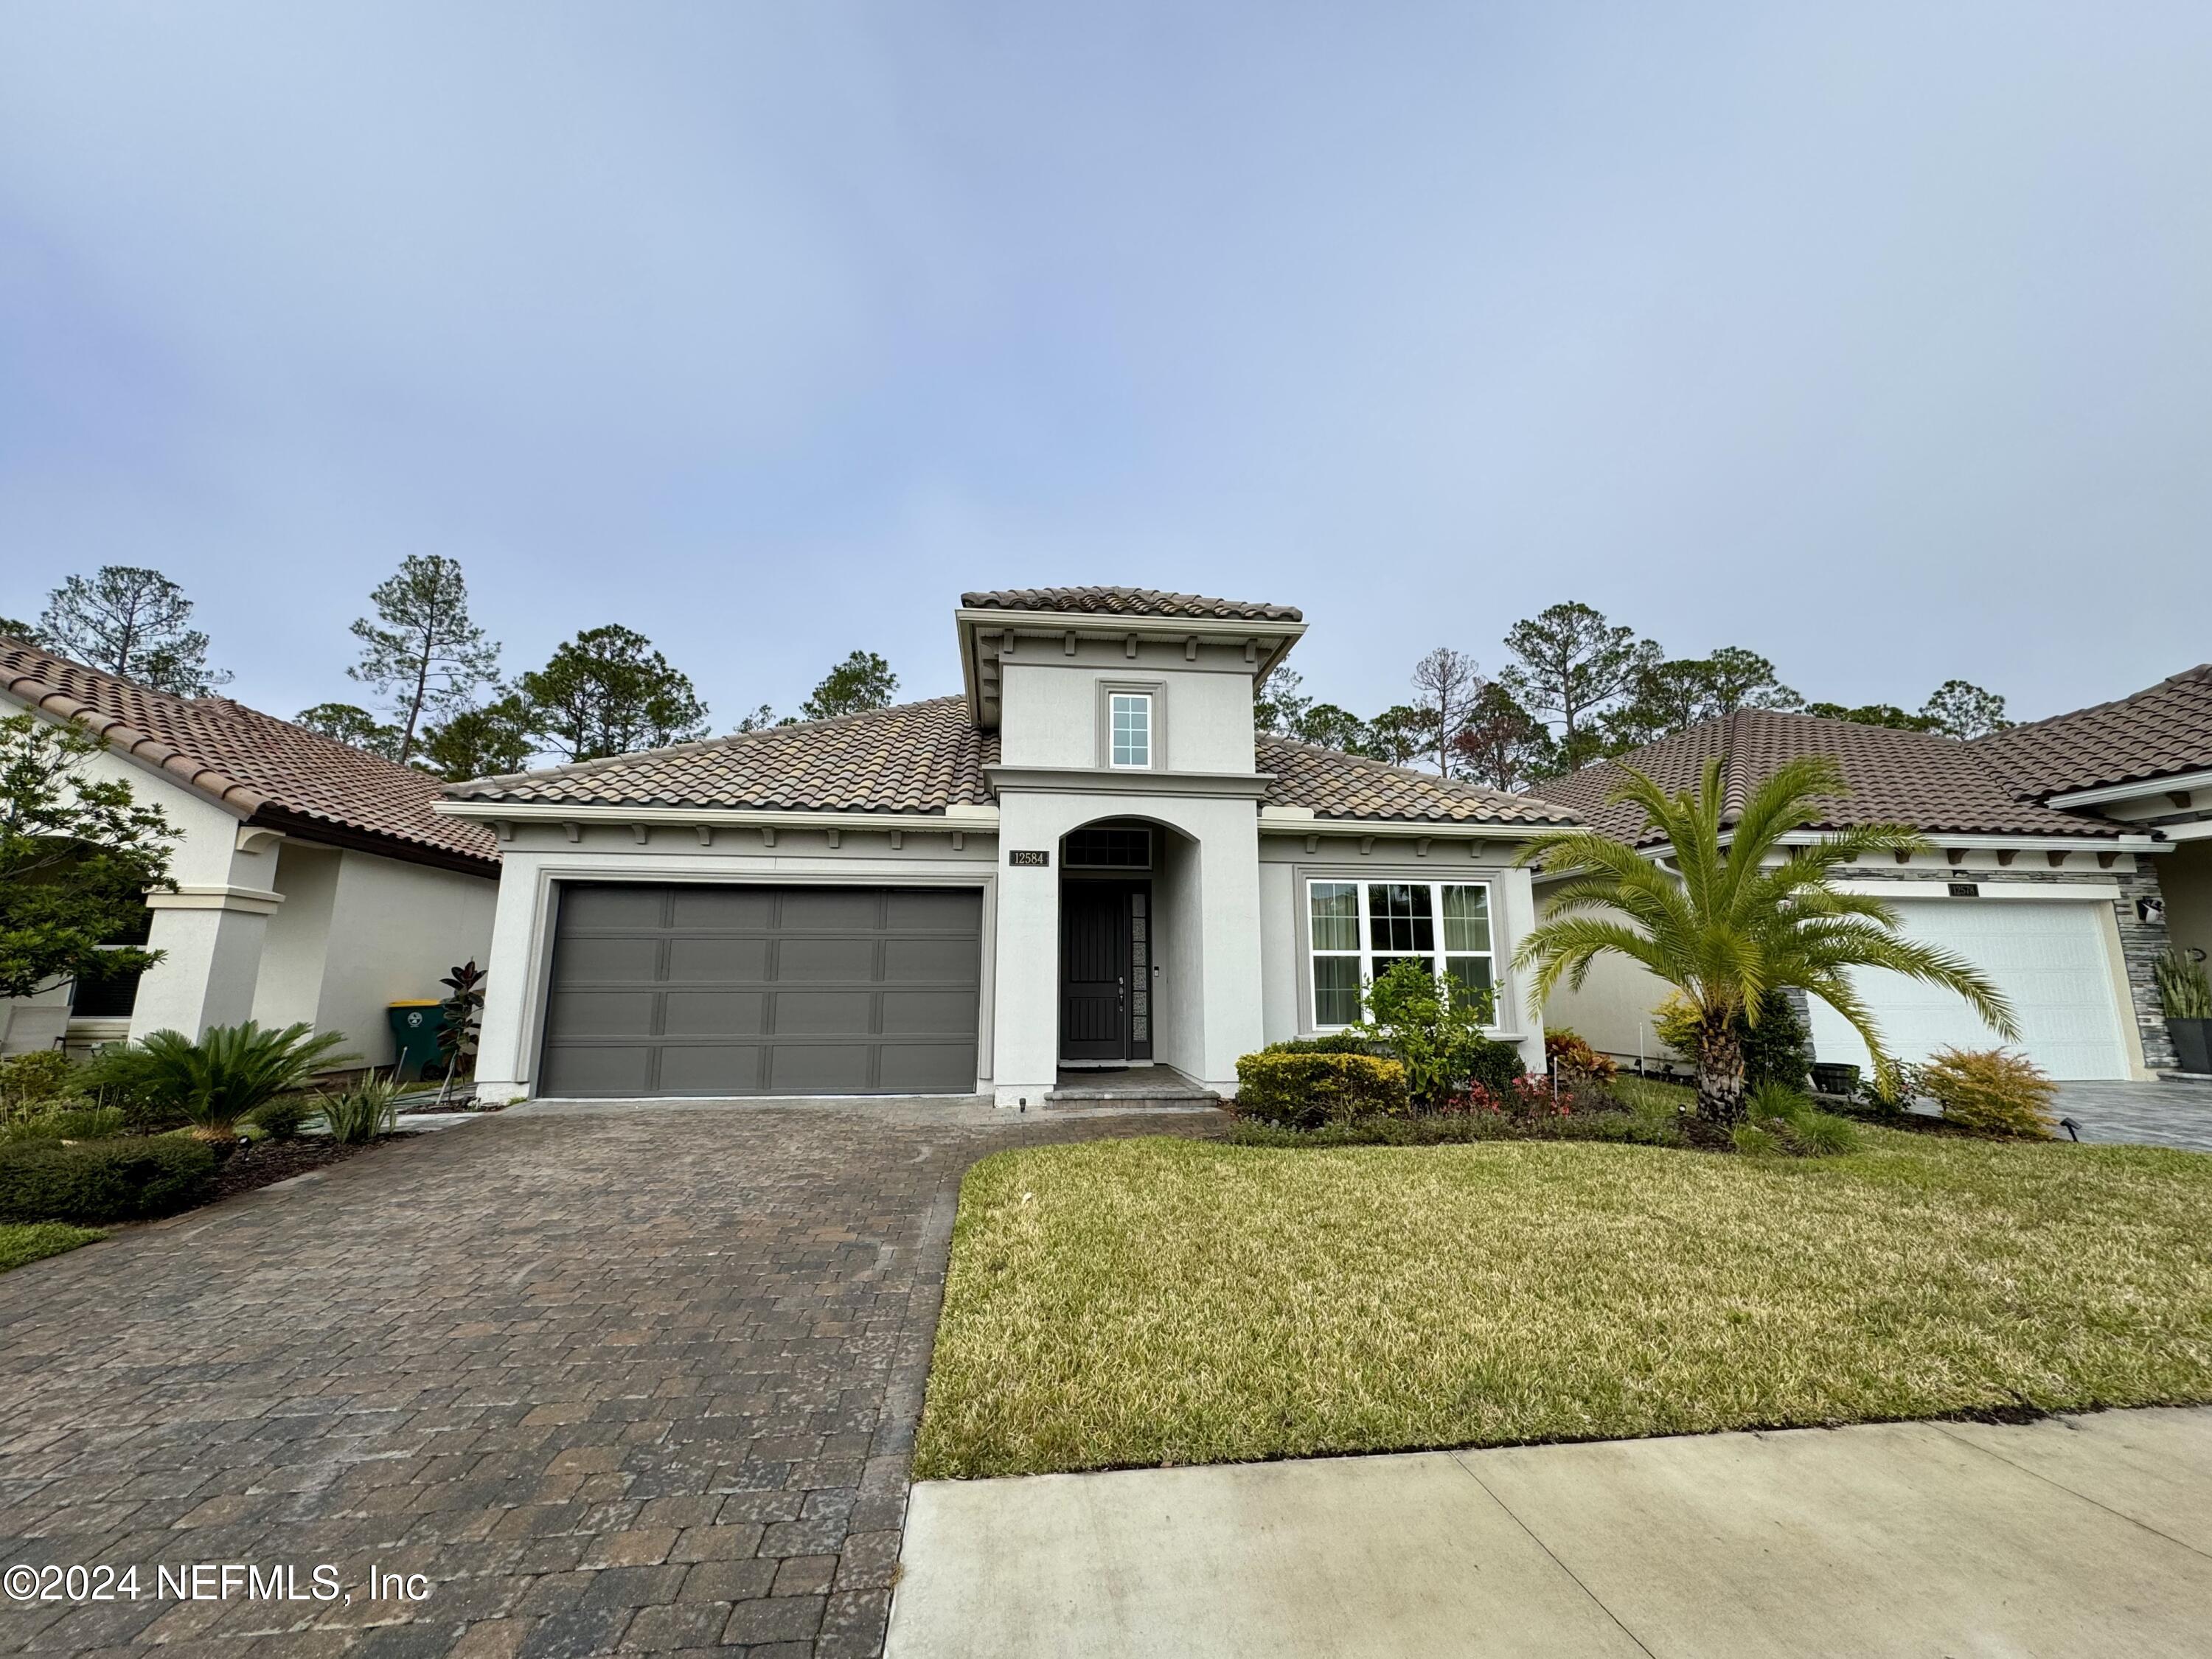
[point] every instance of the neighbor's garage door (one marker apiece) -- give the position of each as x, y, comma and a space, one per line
2050, 958
700, 990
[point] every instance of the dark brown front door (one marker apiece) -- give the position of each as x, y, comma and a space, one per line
1101, 963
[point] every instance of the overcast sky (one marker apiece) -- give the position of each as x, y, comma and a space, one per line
1875, 337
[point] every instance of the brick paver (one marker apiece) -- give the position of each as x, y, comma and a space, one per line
631, 1379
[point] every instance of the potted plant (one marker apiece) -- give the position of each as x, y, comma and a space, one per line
2187, 994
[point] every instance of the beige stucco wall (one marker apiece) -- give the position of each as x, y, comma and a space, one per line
396, 929
1612, 1013
1050, 705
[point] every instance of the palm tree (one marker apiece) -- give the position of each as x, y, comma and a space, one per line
1728, 925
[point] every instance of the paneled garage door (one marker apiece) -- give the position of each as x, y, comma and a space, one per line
707, 990
2051, 958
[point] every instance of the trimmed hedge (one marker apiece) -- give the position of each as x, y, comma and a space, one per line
1354, 1041
92, 1181
1305, 1090
1496, 1066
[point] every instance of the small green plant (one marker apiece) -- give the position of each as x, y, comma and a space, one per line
132, 1180
1305, 1090
282, 1118
1801, 1127
1433, 1025
1352, 1039
75, 1120
32, 1084
230, 1073
1757, 1140
369, 1108
1993, 1090
2183, 987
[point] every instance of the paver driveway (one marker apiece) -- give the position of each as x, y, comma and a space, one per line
619, 1378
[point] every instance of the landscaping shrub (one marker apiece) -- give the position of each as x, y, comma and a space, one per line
76, 1122
282, 1118
1801, 1127
1305, 1090
2183, 987
1756, 1141
130, 1180
1777, 1050
31, 1084
1993, 1090
1433, 1026
1353, 1041
370, 1109
225, 1076
1493, 1065
1569, 1054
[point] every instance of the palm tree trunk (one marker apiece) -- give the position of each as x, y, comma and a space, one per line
1719, 1071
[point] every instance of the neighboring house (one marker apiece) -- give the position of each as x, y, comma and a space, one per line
2143, 761
2063, 851
1088, 858
313, 880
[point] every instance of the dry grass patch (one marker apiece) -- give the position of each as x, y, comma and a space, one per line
1149, 1302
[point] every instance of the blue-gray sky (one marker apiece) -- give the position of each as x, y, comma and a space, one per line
1875, 337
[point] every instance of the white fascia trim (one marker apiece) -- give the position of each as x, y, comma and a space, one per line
972, 820
1991, 887
1392, 829
1940, 839
2142, 789
1052, 624
2200, 830
217, 895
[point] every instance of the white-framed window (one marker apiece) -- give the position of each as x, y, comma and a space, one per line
1357, 929
1129, 737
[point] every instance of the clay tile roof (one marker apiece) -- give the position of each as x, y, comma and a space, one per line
1128, 602
2159, 733
1933, 784
269, 769
1337, 786
913, 757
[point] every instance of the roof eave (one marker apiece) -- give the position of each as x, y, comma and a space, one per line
1271, 640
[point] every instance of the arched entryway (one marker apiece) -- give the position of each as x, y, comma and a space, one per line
1119, 877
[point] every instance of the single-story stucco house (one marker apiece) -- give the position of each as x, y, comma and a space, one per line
2067, 854
313, 881
1088, 858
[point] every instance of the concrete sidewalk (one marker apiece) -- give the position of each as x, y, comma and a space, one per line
2086, 1535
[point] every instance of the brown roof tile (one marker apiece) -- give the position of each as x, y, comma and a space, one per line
913, 757
267, 768
925, 757
1933, 784
1337, 786
1126, 602
2156, 733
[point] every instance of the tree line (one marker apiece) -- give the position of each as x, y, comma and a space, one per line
1577, 687
437, 698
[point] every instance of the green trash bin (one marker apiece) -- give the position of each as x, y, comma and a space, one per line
415, 1028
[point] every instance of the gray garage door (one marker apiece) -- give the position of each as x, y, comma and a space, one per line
698, 990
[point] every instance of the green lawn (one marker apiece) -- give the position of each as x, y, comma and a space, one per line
19, 1244
1160, 1300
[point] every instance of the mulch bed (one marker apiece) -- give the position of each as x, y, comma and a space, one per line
266, 1162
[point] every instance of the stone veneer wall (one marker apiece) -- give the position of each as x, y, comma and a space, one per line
2141, 941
